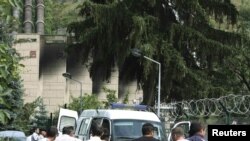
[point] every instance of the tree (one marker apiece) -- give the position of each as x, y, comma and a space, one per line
89, 102
23, 121
111, 97
17, 11
5, 21
240, 64
66, 12
40, 117
10, 81
10, 85
194, 53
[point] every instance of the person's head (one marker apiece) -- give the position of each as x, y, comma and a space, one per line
105, 135
96, 130
147, 129
69, 130
52, 132
35, 130
43, 132
177, 133
197, 128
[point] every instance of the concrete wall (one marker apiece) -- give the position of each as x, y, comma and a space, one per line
53, 65
80, 73
135, 95
45, 62
28, 45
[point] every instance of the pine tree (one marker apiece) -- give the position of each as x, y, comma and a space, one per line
184, 35
40, 116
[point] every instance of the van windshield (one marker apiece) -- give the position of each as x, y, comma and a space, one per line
127, 129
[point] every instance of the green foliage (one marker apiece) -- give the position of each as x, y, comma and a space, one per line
92, 102
40, 117
126, 98
244, 10
10, 85
197, 58
31, 114
23, 121
8, 23
5, 20
65, 12
111, 97
89, 102
10, 81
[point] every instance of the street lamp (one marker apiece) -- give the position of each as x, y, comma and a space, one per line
136, 52
69, 76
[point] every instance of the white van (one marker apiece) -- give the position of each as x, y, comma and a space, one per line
121, 125
12, 135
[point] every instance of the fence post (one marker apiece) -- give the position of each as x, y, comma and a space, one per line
227, 113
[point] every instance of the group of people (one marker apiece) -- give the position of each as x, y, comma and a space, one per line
196, 133
68, 134
36, 134
51, 134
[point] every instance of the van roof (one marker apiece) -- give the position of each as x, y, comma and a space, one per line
121, 114
12, 133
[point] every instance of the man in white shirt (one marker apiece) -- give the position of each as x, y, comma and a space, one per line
68, 134
96, 132
34, 136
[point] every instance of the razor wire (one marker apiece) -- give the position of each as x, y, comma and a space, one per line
233, 104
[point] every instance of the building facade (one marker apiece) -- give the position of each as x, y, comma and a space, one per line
44, 63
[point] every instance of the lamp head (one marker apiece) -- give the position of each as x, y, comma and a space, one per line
67, 75
136, 52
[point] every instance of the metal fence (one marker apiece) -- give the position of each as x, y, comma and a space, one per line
230, 109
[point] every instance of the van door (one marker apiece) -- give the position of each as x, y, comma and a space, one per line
66, 118
83, 128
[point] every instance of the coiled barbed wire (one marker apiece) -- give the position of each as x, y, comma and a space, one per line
233, 104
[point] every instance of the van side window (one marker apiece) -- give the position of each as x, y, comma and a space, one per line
83, 127
124, 128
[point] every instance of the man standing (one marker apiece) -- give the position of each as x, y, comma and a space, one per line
34, 134
178, 134
147, 132
68, 134
197, 132
52, 132
96, 132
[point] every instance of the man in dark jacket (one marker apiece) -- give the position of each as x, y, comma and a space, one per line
197, 132
147, 132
